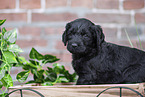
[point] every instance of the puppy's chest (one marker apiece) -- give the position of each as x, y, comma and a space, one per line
86, 66
93, 65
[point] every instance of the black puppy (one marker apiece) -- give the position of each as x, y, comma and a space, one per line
99, 62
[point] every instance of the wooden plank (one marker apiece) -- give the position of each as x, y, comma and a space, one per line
80, 90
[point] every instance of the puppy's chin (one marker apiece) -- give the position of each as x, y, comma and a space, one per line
77, 50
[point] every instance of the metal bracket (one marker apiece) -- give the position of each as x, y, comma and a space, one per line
121, 91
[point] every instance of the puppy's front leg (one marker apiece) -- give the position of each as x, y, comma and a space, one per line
80, 81
85, 80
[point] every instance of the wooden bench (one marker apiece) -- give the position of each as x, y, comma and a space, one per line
80, 90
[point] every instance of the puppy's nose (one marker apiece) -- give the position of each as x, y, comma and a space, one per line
74, 44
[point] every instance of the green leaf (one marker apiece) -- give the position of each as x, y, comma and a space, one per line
22, 76
9, 57
34, 62
29, 66
1, 84
14, 48
20, 62
7, 80
6, 67
49, 70
2, 73
0, 35
34, 71
55, 64
3, 44
51, 76
70, 77
62, 80
3, 94
2, 21
30, 82
4, 30
49, 59
34, 54
39, 77
11, 36
22, 59
58, 68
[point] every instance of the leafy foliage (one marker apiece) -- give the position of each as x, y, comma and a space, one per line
9, 57
55, 74
2, 21
58, 74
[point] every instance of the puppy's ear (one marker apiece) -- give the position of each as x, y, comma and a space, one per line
97, 33
65, 34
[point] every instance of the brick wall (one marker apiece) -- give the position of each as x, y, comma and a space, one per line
41, 22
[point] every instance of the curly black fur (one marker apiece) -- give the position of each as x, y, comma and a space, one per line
99, 62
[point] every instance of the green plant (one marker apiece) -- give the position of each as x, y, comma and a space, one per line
9, 56
129, 39
131, 44
58, 74
54, 74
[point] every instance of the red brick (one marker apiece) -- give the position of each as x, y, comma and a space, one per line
31, 43
53, 30
67, 57
55, 3
131, 32
7, 4
14, 17
49, 30
125, 42
9, 28
30, 4
60, 46
38, 17
108, 4
82, 3
133, 4
33, 31
140, 17
60, 30
143, 44
144, 30
110, 32
109, 18
135, 42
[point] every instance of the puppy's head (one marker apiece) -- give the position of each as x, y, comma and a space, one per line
81, 34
